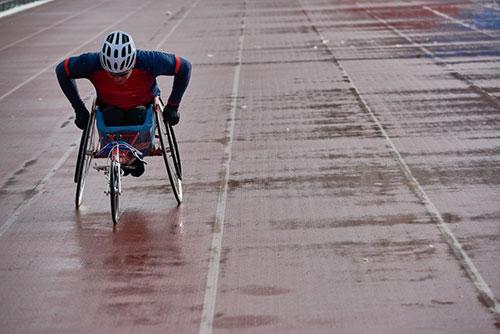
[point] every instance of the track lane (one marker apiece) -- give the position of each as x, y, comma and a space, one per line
30, 36
466, 262
452, 137
303, 211
476, 144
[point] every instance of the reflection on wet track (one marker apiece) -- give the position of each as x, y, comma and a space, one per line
348, 150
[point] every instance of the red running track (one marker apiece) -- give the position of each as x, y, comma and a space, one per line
341, 173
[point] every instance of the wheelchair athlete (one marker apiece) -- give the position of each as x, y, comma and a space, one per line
125, 82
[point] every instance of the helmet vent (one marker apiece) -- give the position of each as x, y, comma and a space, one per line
110, 38
124, 39
116, 53
124, 50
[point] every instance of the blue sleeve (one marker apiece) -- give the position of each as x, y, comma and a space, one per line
181, 81
162, 63
75, 68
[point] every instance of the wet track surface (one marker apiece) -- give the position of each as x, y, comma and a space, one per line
341, 173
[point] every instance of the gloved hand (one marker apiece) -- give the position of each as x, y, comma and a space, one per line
82, 118
171, 115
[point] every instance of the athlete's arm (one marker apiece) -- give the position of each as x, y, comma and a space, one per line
70, 69
162, 63
182, 74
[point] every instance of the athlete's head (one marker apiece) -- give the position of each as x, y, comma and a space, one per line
118, 54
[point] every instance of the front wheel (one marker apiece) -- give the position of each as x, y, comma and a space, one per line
114, 190
171, 156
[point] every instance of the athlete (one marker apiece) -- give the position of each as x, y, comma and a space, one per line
125, 82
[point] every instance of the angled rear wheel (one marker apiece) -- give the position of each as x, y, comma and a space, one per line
88, 144
171, 155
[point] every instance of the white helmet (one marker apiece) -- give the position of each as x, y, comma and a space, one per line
118, 52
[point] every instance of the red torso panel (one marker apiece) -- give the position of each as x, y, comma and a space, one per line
138, 90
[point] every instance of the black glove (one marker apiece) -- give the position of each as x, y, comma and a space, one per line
171, 115
82, 118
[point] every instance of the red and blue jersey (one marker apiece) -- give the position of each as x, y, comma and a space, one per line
140, 88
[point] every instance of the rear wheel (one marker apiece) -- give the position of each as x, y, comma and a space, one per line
80, 148
171, 156
114, 190
85, 155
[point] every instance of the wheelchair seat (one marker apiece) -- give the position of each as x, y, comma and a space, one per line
139, 136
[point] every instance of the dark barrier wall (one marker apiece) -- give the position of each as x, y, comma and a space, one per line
8, 4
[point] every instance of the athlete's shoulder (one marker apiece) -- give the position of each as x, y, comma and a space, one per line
89, 59
152, 56
155, 62
84, 64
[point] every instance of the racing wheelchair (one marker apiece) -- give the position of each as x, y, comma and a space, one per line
121, 145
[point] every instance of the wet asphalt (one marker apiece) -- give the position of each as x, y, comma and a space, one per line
340, 161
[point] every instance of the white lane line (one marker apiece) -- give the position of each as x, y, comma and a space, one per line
164, 39
47, 28
439, 61
37, 191
96, 36
411, 46
20, 8
481, 286
465, 261
207, 315
454, 20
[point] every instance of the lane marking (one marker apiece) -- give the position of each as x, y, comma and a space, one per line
465, 261
43, 150
49, 27
96, 36
163, 40
439, 61
23, 7
208, 312
410, 46
454, 20
37, 192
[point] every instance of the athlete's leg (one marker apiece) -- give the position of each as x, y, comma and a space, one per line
113, 116
135, 116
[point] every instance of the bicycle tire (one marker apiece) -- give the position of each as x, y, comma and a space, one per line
86, 152
114, 191
171, 156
